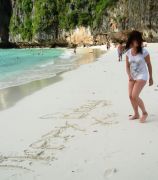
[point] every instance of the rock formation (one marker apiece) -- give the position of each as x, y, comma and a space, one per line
5, 16
45, 21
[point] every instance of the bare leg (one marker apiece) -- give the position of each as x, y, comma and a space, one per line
121, 57
138, 86
135, 106
141, 105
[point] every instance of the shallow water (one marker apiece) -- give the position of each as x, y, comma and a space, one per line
38, 69
20, 66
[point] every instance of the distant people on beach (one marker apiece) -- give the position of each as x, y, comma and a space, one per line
145, 44
138, 66
120, 50
108, 45
75, 49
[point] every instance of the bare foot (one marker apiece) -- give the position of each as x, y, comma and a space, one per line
144, 117
134, 117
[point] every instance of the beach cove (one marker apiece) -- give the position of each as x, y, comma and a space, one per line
78, 128
25, 71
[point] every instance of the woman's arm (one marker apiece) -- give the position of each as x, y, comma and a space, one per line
148, 62
128, 69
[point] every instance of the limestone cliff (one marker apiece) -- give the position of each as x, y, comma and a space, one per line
79, 21
5, 16
133, 14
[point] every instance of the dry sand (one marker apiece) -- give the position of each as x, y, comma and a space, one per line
78, 128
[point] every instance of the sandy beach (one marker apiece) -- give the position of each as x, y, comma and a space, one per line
78, 128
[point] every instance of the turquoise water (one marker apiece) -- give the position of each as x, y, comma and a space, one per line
20, 66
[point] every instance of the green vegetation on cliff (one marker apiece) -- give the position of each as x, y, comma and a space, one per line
45, 16
31, 18
22, 23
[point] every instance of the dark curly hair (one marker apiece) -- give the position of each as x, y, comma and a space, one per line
135, 36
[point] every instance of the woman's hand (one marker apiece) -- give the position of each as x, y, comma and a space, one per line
130, 78
151, 82
128, 69
147, 59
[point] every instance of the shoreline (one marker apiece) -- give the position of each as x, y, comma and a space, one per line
11, 95
24, 45
21, 45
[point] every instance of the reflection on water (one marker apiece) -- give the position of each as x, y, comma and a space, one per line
10, 96
90, 57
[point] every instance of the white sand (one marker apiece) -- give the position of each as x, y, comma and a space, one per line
78, 128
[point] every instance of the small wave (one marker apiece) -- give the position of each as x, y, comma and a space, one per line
47, 64
33, 68
67, 54
46, 71
24, 80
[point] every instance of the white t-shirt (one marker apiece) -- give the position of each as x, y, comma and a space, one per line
138, 66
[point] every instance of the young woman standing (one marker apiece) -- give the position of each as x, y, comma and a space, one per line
138, 67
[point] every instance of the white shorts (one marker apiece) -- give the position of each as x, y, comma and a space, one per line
141, 77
